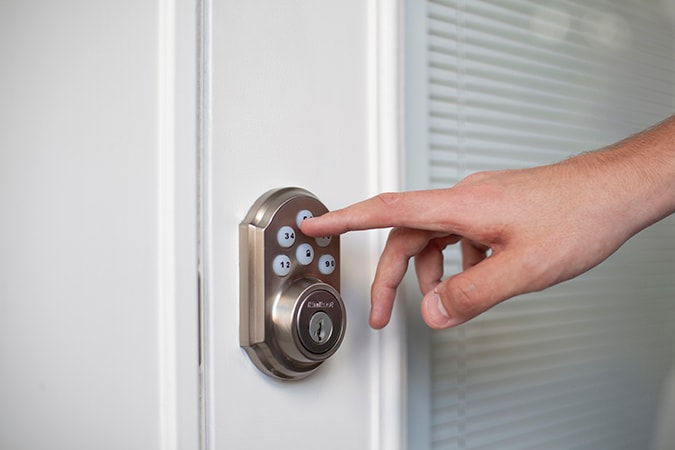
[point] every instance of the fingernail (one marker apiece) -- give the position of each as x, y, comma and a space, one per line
437, 315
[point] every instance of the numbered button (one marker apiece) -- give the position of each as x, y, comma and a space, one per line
323, 241
326, 264
302, 215
281, 265
286, 236
304, 254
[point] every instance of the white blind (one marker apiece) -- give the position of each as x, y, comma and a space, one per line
507, 84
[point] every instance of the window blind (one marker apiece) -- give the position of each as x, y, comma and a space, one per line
508, 84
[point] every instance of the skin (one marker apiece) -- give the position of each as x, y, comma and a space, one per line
520, 230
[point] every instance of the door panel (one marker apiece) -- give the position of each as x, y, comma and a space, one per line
289, 109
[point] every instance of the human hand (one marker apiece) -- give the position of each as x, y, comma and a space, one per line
520, 231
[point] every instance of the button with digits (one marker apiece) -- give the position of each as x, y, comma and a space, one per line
326, 264
281, 265
323, 241
286, 236
302, 215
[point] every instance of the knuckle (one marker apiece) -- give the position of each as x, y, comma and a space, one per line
396, 240
463, 297
397, 233
474, 178
389, 199
406, 237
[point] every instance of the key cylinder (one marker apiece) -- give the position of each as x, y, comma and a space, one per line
319, 313
320, 327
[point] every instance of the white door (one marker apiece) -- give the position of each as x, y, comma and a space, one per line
292, 98
134, 136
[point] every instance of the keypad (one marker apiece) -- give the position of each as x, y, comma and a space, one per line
296, 248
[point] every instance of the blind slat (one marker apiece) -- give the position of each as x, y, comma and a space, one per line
515, 84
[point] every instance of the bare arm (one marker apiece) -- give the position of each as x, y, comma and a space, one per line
542, 225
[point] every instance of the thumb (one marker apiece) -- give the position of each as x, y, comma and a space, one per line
474, 291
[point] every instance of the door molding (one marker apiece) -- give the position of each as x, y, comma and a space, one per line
388, 402
177, 238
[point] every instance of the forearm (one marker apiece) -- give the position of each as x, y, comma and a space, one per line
637, 175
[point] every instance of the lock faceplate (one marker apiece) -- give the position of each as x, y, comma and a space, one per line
292, 317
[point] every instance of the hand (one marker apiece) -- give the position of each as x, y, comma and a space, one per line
520, 231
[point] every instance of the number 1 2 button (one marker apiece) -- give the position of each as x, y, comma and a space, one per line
281, 265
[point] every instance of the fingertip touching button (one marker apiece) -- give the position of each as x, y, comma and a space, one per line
302, 215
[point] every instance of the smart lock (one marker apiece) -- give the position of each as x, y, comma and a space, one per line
291, 315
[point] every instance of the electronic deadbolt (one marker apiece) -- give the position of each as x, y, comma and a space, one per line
291, 315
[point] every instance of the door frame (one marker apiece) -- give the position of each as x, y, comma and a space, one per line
389, 418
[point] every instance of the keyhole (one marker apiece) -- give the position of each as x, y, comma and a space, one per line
319, 331
320, 327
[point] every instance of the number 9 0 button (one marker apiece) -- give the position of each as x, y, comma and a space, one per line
326, 264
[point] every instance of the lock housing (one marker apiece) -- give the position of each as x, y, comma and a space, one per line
292, 317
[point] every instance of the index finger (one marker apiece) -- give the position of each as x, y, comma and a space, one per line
416, 209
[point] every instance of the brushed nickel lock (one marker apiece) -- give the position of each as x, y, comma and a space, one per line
291, 315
